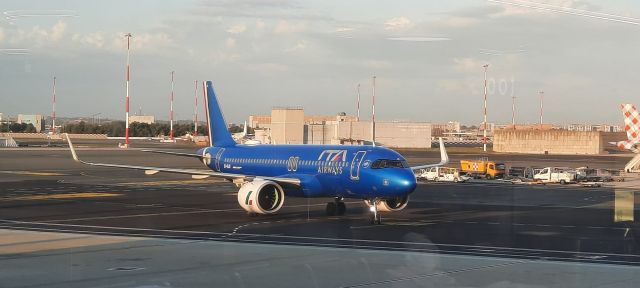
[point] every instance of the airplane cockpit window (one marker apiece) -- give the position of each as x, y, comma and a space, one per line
385, 163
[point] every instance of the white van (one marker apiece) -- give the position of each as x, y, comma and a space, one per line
445, 174
562, 175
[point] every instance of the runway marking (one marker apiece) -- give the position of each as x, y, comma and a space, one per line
144, 215
172, 182
33, 173
60, 196
437, 247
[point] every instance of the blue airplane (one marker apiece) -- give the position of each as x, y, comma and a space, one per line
267, 174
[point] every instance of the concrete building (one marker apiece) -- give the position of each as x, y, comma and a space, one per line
259, 121
389, 134
554, 141
291, 126
148, 119
36, 120
287, 125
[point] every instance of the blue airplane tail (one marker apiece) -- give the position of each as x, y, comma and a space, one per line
219, 135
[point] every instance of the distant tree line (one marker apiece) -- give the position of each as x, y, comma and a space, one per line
17, 127
136, 129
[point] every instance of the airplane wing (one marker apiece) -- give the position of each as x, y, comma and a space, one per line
194, 172
174, 153
444, 158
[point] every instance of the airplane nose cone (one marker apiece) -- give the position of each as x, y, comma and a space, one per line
404, 182
408, 181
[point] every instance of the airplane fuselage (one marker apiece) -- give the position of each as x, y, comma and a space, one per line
324, 170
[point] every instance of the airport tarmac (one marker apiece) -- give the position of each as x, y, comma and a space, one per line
79, 226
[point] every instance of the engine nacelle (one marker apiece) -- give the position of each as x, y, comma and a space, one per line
391, 204
261, 197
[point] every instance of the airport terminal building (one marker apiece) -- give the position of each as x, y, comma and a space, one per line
289, 125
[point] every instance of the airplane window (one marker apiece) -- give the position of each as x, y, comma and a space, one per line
384, 163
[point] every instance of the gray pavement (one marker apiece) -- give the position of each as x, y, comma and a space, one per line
69, 225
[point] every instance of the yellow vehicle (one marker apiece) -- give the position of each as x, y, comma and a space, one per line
482, 168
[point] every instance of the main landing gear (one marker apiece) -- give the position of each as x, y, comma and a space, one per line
337, 207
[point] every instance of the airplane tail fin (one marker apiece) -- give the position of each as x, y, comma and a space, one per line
631, 122
219, 135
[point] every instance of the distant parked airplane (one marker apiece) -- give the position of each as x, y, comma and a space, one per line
267, 174
632, 127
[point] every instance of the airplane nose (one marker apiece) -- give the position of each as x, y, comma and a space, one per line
405, 182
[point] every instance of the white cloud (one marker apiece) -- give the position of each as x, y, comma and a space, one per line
344, 29
301, 45
468, 65
95, 39
377, 64
287, 27
419, 39
38, 36
459, 22
57, 31
114, 42
398, 23
1, 34
267, 68
237, 29
230, 43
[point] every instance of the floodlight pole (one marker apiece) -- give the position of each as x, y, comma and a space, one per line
195, 110
53, 113
484, 125
541, 107
171, 109
126, 129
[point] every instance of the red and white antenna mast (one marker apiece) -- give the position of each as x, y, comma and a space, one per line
541, 107
195, 110
126, 129
358, 104
171, 111
484, 125
373, 113
53, 114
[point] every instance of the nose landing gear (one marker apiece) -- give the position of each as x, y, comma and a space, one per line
337, 207
375, 218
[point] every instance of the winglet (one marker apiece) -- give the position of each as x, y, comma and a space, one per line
444, 158
73, 151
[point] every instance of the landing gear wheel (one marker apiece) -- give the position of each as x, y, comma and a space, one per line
331, 208
375, 218
341, 208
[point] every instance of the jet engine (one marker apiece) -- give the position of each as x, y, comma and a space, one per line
391, 204
261, 197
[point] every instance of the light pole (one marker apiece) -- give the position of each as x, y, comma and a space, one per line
53, 112
195, 110
126, 129
171, 110
484, 125
358, 104
541, 107
373, 113
513, 111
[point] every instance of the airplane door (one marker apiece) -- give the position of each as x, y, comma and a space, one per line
218, 156
355, 165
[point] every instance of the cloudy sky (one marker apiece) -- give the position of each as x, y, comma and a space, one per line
427, 56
